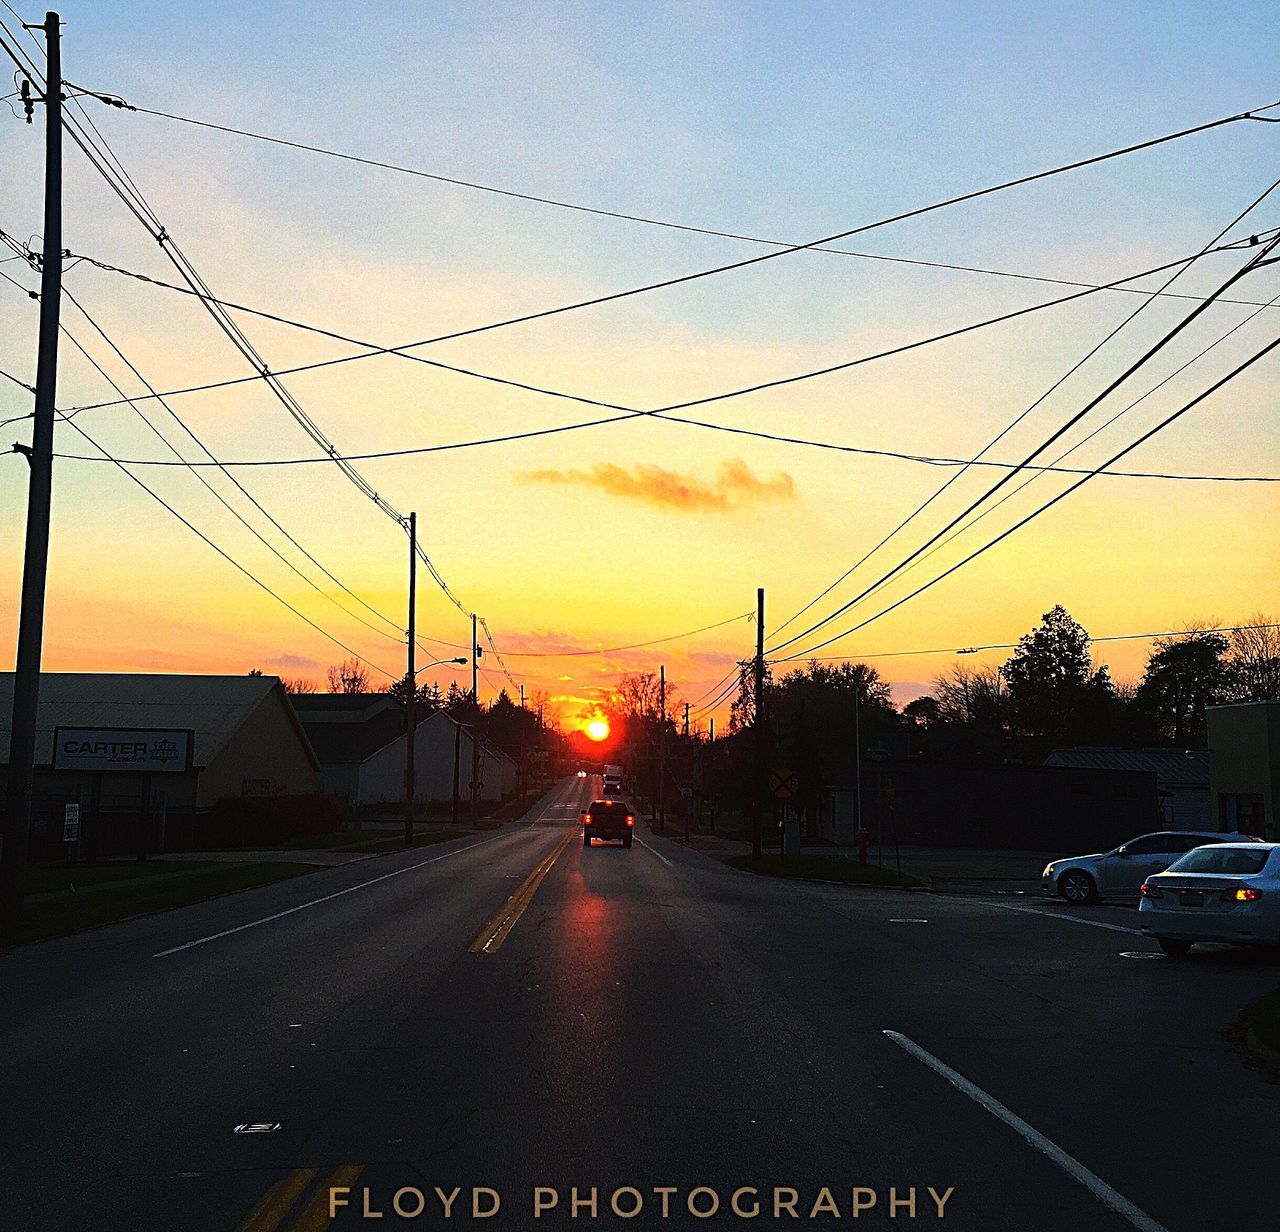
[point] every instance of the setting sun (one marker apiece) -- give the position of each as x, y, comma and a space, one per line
597, 730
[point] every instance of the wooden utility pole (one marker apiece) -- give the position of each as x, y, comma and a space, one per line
662, 747
475, 725
757, 721
411, 688
35, 562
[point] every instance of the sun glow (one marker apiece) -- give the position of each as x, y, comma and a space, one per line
597, 730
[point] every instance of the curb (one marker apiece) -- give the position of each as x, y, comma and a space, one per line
1263, 1053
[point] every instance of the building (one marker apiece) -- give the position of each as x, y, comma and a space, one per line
1182, 779
142, 755
1244, 767
359, 740
987, 804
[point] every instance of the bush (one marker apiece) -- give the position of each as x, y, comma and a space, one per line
268, 821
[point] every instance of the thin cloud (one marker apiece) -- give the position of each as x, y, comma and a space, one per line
735, 486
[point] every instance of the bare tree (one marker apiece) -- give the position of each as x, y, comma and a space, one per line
1254, 658
298, 684
968, 696
349, 676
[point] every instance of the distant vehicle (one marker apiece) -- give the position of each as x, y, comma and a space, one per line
607, 819
1228, 892
611, 789
613, 774
582, 774
1119, 873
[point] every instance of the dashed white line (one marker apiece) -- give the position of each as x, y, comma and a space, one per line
1109, 1197
315, 902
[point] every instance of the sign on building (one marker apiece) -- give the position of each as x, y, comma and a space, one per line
71, 823
141, 751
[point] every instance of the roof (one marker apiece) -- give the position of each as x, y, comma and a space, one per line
1181, 767
355, 740
342, 707
214, 707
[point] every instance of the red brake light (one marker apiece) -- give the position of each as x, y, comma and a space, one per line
631, 821
1247, 894
586, 819
1147, 890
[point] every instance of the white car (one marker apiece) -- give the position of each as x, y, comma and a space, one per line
1227, 892
1119, 872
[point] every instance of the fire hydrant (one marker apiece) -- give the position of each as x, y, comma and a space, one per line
862, 844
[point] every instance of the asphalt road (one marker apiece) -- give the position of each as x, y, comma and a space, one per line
513, 1011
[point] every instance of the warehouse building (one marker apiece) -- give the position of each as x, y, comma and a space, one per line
139, 757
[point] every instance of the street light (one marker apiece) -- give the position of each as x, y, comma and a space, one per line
461, 661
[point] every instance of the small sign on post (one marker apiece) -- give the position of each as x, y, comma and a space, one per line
71, 823
783, 784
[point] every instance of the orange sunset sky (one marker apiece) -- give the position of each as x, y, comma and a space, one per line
732, 119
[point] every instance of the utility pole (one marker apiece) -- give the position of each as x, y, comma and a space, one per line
520, 774
662, 747
35, 563
686, 720
411, 688
475, 727
757, 719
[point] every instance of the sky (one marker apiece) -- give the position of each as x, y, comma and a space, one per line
785, 122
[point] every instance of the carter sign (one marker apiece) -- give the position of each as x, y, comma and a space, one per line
139, 751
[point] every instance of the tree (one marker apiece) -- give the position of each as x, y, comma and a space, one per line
349, 676
1254, 660
742, 710
297, 684
1054, 692
969, 696
922, 712
426, 697
1184, 674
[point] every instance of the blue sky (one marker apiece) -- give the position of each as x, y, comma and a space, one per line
783, 120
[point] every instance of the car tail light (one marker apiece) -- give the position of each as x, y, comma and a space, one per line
1247, 894
631, 821
586, 819
1147, 890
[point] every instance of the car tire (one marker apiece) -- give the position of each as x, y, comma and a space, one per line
1174, 947
1077, 887
626, 842
586, 840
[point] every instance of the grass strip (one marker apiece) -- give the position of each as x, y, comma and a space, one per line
41, 921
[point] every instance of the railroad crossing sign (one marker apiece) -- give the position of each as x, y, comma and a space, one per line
784, 784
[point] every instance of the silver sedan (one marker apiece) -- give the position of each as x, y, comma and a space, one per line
1119, 872
1226, 892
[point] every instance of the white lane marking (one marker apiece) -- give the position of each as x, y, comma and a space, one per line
656, 853
908, 920
1070, 919
315, 902
1109, 1197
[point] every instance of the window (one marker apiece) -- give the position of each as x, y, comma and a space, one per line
1150, 844
1232, 860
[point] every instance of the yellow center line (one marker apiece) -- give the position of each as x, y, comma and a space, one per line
495, 932
318, 1213
276, 1203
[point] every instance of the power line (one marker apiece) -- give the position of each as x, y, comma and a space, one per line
1112, 333
403, 351
235, 563
1090, 405
114, 100
1164, 423
966, 650
674, 637
964, 528
138, 205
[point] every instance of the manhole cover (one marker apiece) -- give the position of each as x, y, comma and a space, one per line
257, 1127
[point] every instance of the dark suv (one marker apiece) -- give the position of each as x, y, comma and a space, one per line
607, 819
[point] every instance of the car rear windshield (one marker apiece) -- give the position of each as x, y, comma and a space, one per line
606, 806
1221, 860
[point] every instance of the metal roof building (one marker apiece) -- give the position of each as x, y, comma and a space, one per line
1182, 777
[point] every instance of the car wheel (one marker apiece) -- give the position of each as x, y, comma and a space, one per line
1174, 947
586, 840
626, 842
1078, 887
